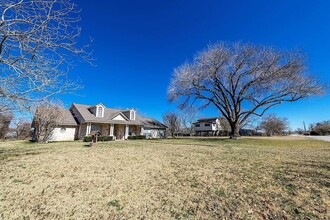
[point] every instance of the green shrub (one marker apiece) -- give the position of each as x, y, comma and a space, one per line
105, 138
88, 138
100, 138
136, 137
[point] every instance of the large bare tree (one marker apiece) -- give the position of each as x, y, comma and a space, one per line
38, 45
242, 80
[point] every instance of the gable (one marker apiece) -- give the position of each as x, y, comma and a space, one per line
119, 117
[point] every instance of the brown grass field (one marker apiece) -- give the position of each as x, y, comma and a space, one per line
200, 178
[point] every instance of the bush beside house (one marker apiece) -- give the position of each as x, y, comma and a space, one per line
100, 138
136, 137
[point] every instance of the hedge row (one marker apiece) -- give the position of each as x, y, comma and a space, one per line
136, 137
100, 138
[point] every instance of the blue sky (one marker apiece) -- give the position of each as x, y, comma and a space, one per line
137, 44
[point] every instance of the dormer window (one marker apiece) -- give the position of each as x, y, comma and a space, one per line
99, 112
132, 115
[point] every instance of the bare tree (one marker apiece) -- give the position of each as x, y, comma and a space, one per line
172, 121
38, 46
46, 118
5, 120
274, 125
242, 80
187, 117
321, 128
22, 128
225, 127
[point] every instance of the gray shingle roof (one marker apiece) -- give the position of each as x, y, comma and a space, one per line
67, 118
110, 113
206, 120
88, 116
151, 123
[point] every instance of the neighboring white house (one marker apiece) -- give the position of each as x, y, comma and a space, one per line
81, 120
207, 126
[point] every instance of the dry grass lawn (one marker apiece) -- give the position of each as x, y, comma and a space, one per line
166, 179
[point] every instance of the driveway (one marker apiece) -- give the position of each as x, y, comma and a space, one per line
322, 138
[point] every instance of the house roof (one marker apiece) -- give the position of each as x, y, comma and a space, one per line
206, 120
111, 113
151, 123
67, 118
88, 116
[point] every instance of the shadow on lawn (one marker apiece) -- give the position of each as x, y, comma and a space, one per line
313, 172
6, 153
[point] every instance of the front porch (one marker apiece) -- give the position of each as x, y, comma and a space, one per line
118, 131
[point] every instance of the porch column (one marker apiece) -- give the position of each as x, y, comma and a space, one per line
126, 131
111, 129
88, 129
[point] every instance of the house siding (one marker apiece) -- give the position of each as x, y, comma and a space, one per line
134, 130
212, 127
105, 129
153, 132
119, 118
63, 134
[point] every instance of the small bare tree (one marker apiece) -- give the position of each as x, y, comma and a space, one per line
172, 121
225, 127
22, 128
242, 80
38, 45
274, 125
46, 118
5, 120
187, 117
322, 128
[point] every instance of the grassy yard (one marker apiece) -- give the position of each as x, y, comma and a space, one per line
166, 179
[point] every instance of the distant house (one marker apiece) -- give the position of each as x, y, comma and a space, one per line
11, 135
80, 120
207, 126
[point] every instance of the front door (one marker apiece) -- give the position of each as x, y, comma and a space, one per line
120, 132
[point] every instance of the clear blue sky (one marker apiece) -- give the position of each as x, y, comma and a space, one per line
138, 43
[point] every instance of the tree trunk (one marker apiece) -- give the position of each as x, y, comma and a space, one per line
234, 133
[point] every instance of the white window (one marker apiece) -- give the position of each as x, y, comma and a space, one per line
132, 115
99, 111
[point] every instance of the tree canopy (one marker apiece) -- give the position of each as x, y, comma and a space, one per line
38, 45
242, 80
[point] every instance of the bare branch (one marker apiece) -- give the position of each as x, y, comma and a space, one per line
38, 44
242, 80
